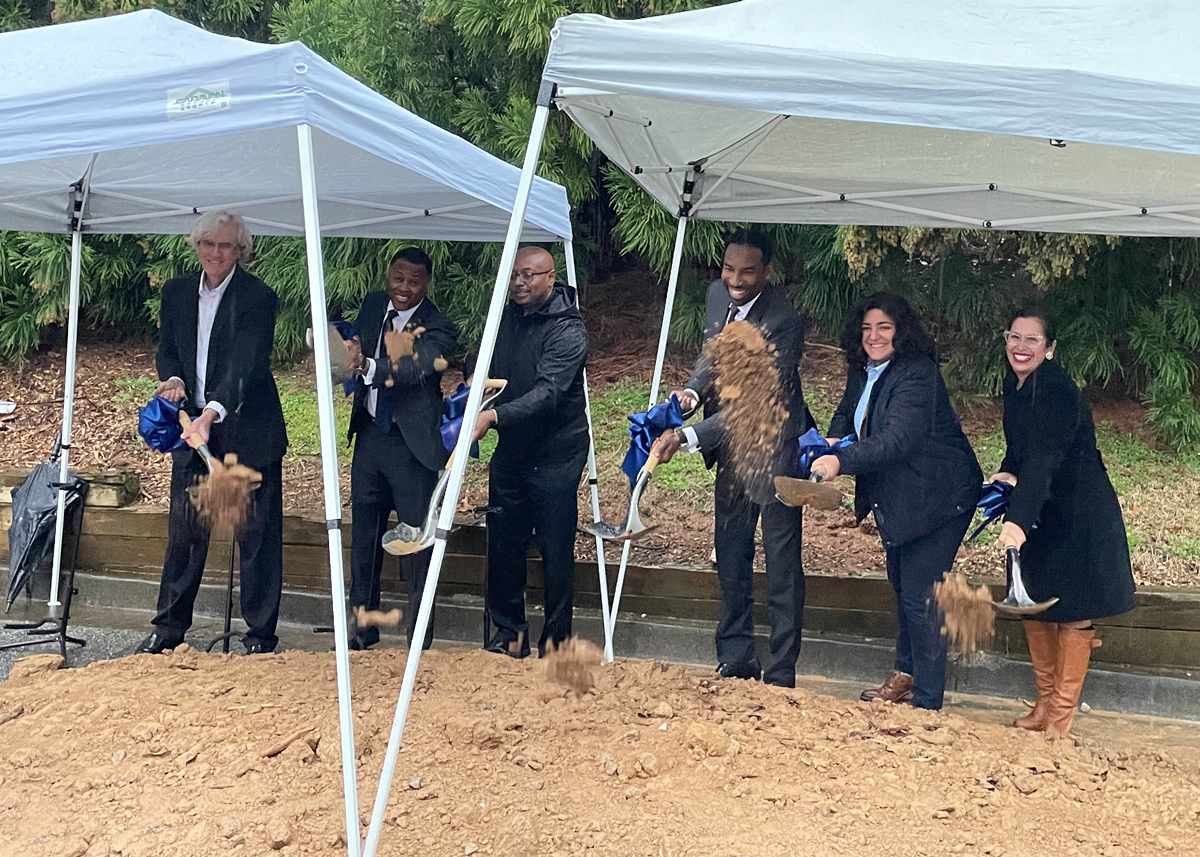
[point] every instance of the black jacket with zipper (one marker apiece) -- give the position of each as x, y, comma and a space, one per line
913, 465
541, 415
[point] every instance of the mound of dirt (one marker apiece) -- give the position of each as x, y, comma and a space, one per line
753, 411
199, 755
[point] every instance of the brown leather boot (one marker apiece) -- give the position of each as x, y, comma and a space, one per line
1043, 652
898, 688
1074, 653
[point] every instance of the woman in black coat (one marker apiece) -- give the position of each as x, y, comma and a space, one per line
1063, 515
915, 471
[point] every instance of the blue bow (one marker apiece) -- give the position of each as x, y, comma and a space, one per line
348, 332
993, 504
158, 424
456, 407
646, 427
813, 445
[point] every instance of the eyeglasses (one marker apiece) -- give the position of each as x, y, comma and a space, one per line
1016, 339
527, 276
224, 246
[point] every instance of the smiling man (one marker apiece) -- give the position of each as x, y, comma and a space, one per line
395, 428
534, 474
743, 294
214, 355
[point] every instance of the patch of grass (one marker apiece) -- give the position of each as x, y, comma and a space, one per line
1184, 548
299, 402
134, 391
821, 405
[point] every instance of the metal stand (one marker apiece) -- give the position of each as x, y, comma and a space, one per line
224, 638
54, 628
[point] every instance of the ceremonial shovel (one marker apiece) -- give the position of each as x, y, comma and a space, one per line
808, 492
632, 528
1018, 600
404, 539
194, 442
341, 368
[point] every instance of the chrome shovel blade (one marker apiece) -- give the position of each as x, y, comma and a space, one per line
1018, 601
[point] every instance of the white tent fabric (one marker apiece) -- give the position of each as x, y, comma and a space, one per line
1051, 115
184, 119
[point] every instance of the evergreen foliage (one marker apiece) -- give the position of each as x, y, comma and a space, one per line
1129, 309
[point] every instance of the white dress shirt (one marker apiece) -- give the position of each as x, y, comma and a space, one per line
398, 323
739, 314
210, 302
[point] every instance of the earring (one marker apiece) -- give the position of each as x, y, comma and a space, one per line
1049, 355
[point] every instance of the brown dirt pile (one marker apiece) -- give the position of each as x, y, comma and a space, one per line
753, 411
180, 755
573, 665
969, 620
222, 498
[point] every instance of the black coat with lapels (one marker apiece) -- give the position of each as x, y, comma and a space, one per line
417, 383
238, 373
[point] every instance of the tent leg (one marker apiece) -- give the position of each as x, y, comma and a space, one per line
660, 358
332, 489
458, 469
68, 407
573, 280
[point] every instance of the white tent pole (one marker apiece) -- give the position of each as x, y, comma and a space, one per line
461, 456
660, 358
68, 401
573, 281
329, 469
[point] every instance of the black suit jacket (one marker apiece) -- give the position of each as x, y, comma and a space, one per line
914, 467
417, 384
774, 315
239, 363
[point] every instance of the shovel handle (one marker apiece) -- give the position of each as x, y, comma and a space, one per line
651, 463
817, 475
194, 442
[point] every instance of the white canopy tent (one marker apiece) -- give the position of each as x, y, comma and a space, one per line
1048, 115
101, 138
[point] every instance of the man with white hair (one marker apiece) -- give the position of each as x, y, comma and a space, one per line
214, 356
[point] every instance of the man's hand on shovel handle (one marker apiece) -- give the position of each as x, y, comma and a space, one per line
201, 426
666, 446
171, 389
686, 402
486, 420
829, 465
1011, 534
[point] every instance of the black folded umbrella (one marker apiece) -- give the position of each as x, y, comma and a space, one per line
31, 534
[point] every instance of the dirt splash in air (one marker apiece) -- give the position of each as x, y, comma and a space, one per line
222, 498
969, 620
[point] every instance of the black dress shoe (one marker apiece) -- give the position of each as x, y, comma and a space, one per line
256, 647
502, 644
746, 669
157, 643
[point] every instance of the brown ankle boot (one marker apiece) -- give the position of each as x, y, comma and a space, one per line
1043, 652
1074, 652
898, 688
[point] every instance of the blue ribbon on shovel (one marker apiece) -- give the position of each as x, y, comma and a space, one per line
645, 428
456, 408
993, 504
813, 445
158, 424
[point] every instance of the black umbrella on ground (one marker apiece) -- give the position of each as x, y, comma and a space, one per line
31, 534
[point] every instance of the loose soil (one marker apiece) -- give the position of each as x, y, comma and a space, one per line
198, 755
968, 618
222, 498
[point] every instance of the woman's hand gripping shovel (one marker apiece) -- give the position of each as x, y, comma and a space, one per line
404, 539
632, 528
813, 491
1018, 601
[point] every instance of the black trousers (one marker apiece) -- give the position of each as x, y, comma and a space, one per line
536, 501
782, 526
913, 568
386, 477
261, 543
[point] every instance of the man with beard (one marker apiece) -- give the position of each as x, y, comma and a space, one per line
541, 350
742, 294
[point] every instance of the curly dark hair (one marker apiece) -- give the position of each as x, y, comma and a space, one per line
911, 336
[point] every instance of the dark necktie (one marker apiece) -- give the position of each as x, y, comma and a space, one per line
385, 402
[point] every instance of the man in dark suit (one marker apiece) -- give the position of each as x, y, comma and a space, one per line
742, 294
543, 433
217, 333
395, 425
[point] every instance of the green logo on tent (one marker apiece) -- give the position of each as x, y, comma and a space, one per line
186, 102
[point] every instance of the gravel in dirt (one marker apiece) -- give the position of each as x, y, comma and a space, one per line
198, 755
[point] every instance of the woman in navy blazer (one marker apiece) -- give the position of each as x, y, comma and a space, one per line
915, 471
